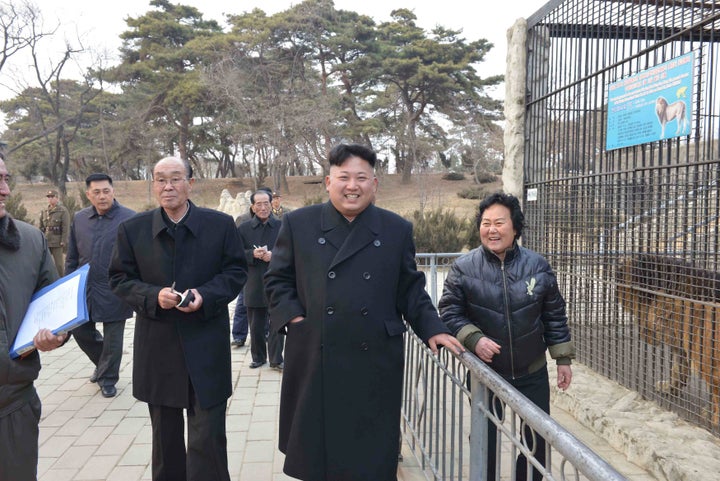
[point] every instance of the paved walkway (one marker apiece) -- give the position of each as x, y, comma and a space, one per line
84, 436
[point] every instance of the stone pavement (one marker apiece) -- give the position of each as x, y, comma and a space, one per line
84, 436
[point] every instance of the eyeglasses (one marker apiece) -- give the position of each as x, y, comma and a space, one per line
175, 181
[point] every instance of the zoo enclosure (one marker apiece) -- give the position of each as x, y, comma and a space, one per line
632, 232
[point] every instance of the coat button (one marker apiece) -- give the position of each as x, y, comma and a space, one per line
366, 275
330, 311
364, 311
331, 274
376, 243
321, 241
364, 346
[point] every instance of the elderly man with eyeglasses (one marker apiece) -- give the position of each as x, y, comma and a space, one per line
179, 266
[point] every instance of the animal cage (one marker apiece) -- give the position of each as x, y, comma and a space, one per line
621, 170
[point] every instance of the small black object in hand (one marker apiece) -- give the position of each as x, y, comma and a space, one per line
185, 301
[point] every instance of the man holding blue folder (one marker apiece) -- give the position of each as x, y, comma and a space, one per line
25, 267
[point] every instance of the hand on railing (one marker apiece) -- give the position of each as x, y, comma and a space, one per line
445, 340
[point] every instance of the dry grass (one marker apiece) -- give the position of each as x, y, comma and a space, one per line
427, 190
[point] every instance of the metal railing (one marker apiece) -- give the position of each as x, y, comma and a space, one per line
446, 424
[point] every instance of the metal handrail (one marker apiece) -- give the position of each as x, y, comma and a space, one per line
448, 446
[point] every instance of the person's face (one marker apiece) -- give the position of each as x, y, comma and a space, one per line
52, 200
351, 186
496, 229
171, 185
261, 206
276, 202
101, 195
4, 188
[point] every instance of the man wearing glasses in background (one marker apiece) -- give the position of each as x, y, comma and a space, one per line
179, 267
258, 235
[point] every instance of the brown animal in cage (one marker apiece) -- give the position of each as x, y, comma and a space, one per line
677, 305
668, 112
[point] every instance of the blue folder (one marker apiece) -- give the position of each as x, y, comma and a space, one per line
29, 327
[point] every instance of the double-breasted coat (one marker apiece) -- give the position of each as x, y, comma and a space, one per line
342, 384
204, 253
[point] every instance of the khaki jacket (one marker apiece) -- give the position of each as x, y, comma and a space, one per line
55, 224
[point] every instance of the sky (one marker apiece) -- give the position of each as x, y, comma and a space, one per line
99, 24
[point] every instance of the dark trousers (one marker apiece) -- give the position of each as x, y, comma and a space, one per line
19, 442
206, 455
240, 319
105, 351
536, 387
259, 348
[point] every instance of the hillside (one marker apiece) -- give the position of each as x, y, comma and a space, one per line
429, 190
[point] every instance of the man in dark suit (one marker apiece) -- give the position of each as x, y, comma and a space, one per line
92, 237
179, 267
258, 237
341, 281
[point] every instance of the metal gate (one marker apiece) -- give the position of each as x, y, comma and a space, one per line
621, 167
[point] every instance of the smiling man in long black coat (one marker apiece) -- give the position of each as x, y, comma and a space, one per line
341, 281
181, 357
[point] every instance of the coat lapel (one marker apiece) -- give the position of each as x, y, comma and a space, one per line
363, 233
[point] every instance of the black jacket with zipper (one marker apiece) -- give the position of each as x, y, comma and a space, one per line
515, 302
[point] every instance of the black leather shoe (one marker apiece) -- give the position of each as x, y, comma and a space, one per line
256, 364
108, 391
278, 367
238, 343
93, 378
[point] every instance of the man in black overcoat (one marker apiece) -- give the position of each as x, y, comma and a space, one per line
341, 282
258, 235
179, 266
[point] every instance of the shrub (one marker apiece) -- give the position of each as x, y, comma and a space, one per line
485, 177
474, 193
14, 205
441, 231
318, 199
72, 205
454, 176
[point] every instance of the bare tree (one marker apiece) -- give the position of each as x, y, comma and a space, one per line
18, 22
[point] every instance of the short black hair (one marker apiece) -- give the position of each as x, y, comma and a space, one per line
97, 177
261, 191
508, 200
341, 152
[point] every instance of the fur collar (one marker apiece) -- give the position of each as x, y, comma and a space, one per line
9, 235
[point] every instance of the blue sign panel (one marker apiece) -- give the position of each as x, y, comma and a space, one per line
651, 105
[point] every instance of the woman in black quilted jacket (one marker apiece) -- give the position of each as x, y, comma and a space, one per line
502, 302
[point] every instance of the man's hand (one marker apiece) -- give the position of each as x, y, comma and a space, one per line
445, 340
564, 376
195, 305
168, 298
45, 340
296, 319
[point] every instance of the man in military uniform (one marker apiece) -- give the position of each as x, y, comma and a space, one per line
55, 224
277, 208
